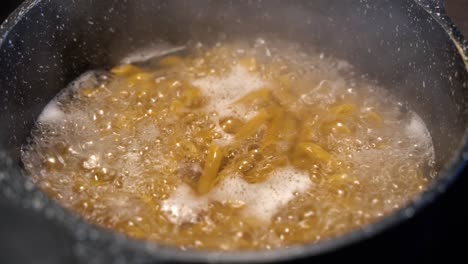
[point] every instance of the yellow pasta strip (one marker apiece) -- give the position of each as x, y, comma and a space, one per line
191, 96
284, 97
140, 77
250, 98
314, 151
125, 70
275, 127
252, 125
289, 129
210, 170
231, 125
344, 110
306, 130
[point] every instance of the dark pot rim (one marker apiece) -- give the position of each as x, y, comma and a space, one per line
447, 176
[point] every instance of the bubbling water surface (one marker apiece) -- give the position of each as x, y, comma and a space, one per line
238, 146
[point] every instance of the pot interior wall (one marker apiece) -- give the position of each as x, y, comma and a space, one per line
394, 42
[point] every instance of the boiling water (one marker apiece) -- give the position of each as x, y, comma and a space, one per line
237, 146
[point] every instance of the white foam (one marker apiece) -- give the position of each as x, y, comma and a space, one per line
183, 206
416, 130
261, 200
225, 90
88, 79
51, 113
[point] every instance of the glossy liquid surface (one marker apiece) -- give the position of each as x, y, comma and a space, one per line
239, 146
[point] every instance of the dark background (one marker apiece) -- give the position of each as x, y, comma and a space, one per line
436, 235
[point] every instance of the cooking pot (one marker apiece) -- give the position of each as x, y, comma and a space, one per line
409, 47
